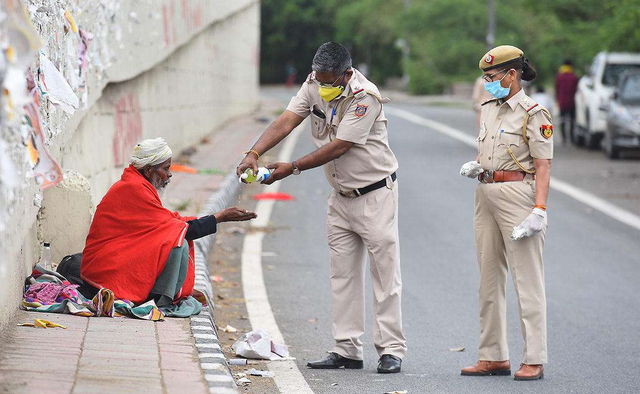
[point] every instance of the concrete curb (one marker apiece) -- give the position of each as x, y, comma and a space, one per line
212, 360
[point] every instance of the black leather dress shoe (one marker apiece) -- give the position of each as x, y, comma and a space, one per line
389, 364
335, 361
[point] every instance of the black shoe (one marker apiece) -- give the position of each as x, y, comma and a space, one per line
335, 361
389, 364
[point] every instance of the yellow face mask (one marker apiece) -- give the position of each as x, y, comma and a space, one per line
331, 93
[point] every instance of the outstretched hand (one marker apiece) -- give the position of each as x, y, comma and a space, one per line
279, 171
234, 214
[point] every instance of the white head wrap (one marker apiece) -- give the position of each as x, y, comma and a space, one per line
150, 152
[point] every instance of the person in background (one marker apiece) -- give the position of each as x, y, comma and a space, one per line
291, 72
566, 86
479, 96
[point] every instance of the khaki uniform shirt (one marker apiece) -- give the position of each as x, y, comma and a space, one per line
501, 127
354, 116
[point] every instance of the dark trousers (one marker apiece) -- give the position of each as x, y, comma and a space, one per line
567, 116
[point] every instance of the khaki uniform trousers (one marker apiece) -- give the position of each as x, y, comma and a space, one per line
498, 208
368, 223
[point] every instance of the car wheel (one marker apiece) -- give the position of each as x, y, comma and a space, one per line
610, 149
591, 140
576, 135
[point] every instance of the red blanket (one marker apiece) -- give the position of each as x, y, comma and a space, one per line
130, 239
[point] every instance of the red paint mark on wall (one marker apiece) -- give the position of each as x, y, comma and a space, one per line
192, 14
165, 25
128, 127
173, 19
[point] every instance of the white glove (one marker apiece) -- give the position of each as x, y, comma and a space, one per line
533, 224
471, 169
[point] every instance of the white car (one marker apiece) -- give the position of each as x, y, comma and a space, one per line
595, 90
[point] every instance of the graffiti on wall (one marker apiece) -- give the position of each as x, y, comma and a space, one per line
128, 127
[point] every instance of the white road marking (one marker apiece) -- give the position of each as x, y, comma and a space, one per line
288, 377
563, 187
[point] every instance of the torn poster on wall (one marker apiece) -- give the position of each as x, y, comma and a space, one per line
46, 170
21, 42
55, 87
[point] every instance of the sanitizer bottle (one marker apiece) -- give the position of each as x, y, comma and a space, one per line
45, 257
249, 177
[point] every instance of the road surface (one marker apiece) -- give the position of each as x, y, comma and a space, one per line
591, 268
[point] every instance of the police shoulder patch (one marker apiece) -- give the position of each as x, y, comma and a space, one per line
546, 130
361, 110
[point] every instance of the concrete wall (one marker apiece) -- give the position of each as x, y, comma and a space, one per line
171, 68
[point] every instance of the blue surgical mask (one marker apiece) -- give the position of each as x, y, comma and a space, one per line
496, 90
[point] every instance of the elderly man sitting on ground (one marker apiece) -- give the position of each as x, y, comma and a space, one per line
138, 248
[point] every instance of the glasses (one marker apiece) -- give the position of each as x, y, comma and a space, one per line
323, 84
489, 78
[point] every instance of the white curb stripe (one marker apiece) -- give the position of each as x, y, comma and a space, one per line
218, 378
205, 336
202, 328
288, 377
583, 196
209, 355
208, 346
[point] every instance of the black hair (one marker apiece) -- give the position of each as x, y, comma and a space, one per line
567, 62
528, 71
331, 57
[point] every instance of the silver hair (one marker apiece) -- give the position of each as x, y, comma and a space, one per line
332, 58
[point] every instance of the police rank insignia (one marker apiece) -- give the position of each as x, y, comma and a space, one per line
361, 110
546, 130
489, 59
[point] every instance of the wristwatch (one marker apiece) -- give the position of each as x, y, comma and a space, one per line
296, 170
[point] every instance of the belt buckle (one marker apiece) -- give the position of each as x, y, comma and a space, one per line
486, 175
351, 193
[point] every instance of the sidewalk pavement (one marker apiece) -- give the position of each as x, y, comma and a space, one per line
123, 355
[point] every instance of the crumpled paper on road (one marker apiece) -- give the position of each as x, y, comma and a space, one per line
258, 345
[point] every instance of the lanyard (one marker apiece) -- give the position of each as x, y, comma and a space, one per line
333, 113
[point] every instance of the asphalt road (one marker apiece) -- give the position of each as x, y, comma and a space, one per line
591, 264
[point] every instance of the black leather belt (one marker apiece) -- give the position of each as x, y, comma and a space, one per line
374, 186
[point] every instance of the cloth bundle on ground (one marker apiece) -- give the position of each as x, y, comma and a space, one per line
48, 291
70, 268
130, 240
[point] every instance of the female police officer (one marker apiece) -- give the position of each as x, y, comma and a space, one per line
515, 148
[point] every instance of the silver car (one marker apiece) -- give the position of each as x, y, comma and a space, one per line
623, 118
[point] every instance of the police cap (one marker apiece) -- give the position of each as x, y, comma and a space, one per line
502, 56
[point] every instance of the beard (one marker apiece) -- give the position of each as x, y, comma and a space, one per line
160, 186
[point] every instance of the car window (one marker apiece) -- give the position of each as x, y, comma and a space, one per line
612, 72
630, 91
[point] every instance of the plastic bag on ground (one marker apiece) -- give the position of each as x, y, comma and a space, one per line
258, 345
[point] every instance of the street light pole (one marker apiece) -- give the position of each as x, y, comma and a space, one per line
405, 50
491, 32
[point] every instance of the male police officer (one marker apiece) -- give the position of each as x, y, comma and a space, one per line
350, 131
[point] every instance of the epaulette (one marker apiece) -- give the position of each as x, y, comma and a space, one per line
358, 90
488, 101
530, 106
